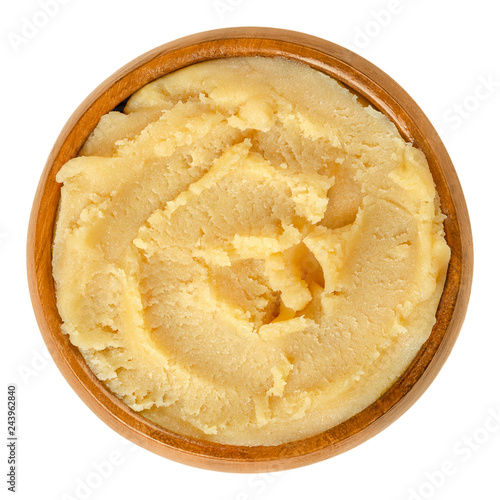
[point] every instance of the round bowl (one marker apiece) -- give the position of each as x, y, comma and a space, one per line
384, 94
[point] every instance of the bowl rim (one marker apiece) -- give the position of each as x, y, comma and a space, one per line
383, 93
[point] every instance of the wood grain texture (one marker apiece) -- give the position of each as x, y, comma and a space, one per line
380, 90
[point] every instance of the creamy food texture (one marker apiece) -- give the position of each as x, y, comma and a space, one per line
248, 254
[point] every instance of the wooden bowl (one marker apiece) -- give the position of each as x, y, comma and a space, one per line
383, 93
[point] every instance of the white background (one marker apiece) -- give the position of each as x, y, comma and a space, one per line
441, 52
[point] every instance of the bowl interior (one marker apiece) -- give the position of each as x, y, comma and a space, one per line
384, 94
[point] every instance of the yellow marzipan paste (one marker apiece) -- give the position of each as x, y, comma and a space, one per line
248, 254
